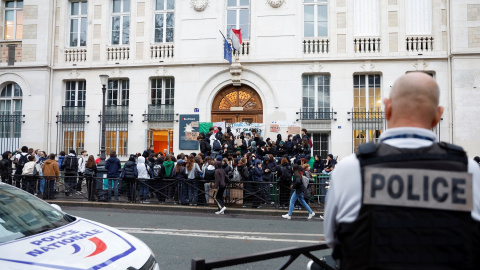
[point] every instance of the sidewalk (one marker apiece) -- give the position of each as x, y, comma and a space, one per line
266, 210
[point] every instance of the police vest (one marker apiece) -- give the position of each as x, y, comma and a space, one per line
415, 212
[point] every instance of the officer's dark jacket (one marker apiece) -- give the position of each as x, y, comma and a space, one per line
398, 237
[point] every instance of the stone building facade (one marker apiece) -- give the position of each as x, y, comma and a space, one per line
325, 65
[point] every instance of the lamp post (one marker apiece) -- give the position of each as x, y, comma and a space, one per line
104, 81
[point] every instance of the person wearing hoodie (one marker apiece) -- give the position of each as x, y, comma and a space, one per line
90, 173
192, 168
61, 182
257, 187
6, 167
40, 159
159, 180
298, 187
181, 176
220, 187
169, 165
130, 176
51, 171
112, 164
143, 176
30, 174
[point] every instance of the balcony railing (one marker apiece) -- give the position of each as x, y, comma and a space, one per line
320, 114
75, 55
10, 52
161, 51
244, 48
118, 53
116, 114
316, 46
74, 114
367, 116
366, 45
419, 44
159, 113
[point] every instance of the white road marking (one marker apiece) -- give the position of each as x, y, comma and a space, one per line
257, 236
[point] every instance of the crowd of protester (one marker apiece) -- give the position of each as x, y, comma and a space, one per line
248, 158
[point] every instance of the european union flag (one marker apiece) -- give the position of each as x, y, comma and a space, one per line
227, 51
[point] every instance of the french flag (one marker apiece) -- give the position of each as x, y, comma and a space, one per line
236, 38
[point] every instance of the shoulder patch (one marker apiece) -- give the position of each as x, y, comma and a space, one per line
367, 148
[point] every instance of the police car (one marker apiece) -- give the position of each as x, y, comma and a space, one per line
37, 235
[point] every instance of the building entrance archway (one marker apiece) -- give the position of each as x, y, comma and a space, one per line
237, 104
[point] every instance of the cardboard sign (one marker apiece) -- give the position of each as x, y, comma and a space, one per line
274, 128
293, 130
194, 124
191, 136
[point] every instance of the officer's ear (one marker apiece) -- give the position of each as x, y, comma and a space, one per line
438, 116
388, 108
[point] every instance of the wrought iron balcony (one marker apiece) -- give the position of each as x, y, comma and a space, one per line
159, 113
72, 114
115, 114
320, 114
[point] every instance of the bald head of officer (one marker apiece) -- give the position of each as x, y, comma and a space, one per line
413, 102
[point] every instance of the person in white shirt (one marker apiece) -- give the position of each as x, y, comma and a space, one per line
81, 169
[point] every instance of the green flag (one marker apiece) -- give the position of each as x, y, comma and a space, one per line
204, 127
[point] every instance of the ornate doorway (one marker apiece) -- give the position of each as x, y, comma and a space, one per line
237, 104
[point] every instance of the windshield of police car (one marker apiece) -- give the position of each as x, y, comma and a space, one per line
22, 214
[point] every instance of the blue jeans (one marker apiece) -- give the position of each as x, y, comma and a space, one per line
192, 191
294, 198
41, 185
113, 183
143, 190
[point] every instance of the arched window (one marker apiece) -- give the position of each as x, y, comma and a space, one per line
10, 111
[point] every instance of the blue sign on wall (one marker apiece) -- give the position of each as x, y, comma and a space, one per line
188, 131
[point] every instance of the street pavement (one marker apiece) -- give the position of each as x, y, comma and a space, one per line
176, 236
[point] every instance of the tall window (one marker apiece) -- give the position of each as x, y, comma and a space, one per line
120, 22
11, 106
418, 17
164, 20
366, 17
315, 18
78, 23
118, 92
238, 17
116, 117
316, 96
13, 19
368, 118
75, 93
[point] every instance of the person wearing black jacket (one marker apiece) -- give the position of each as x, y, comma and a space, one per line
318, 165
130, 177
205, 147
6, 167
298, 187
90, 167
158, 180
220, 186
284, 178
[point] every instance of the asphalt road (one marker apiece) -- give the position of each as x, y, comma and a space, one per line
176, 238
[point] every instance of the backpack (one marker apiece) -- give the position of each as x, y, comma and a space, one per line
70, 164
236, 175
88, 172
307, 193
286, 174
310, 143
216, 145
219, 136
22, 161
35, 171
157, 171
228, 176
208, 147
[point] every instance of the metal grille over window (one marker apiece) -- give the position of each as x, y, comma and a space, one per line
11, 117
71, 129
368, 119
116, 121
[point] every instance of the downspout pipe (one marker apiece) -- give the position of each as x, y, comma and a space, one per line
451, 96
50, 87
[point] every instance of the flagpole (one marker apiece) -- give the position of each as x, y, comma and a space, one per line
234, 50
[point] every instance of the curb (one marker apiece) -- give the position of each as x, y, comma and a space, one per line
178, 208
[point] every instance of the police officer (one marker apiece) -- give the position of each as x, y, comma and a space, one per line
407, 202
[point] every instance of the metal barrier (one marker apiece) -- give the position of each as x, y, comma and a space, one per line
292, 254
194, 192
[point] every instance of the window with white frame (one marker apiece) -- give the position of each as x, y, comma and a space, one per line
118, 92
163, 91
164, 20
11, 105
316, 97
315, 18
75, 93
238, 17
120, 22
78, 23
13, 19
366, 18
